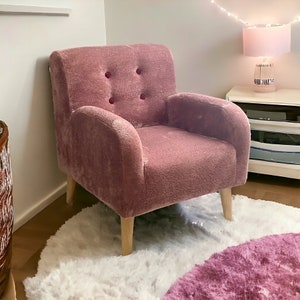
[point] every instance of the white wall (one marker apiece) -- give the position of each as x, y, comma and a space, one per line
206, 43
25, 97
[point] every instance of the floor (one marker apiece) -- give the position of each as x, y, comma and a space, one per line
30, 239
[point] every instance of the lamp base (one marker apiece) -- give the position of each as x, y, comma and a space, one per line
264, 78
264, 88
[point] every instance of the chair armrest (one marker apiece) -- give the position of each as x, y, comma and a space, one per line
213, 117
107, 156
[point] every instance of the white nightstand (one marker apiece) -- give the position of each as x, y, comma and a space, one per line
272, 114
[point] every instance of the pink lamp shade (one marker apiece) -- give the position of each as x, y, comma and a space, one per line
267, 40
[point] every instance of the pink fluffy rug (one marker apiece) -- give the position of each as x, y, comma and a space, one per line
266, 268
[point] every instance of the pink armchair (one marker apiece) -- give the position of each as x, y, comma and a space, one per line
126, 136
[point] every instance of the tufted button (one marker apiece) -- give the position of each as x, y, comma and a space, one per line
138, 71
142, 96
111, 100
107, 74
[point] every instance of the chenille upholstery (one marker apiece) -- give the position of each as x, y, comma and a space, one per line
127, 137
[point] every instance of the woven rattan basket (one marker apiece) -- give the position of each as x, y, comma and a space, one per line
6, 209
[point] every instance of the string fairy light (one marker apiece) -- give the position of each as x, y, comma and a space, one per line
228, 13
240, 20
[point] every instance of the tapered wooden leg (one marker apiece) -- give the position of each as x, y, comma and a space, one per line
71, 186
10, 292
226, 199
127, 235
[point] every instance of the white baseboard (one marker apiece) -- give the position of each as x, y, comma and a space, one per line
26, 216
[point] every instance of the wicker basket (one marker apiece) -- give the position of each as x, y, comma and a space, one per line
6, 209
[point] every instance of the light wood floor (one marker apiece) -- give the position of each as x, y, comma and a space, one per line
30, 239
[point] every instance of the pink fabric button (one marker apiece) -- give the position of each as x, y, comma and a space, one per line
107, 74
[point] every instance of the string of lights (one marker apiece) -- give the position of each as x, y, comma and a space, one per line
238, 19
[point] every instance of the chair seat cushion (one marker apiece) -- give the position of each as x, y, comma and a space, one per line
179, 165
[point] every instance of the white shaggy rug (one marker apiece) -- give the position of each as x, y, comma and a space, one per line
82, 262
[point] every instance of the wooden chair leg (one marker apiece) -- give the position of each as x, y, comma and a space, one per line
71, 186
10, 292
127, 235
226, 199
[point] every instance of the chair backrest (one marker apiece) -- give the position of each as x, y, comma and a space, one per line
132, 81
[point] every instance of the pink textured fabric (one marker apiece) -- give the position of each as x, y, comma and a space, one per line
267, 268
131, 81
179, 164
216, 118
123, 136
107, 158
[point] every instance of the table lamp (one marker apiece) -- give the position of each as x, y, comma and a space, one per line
266, 41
